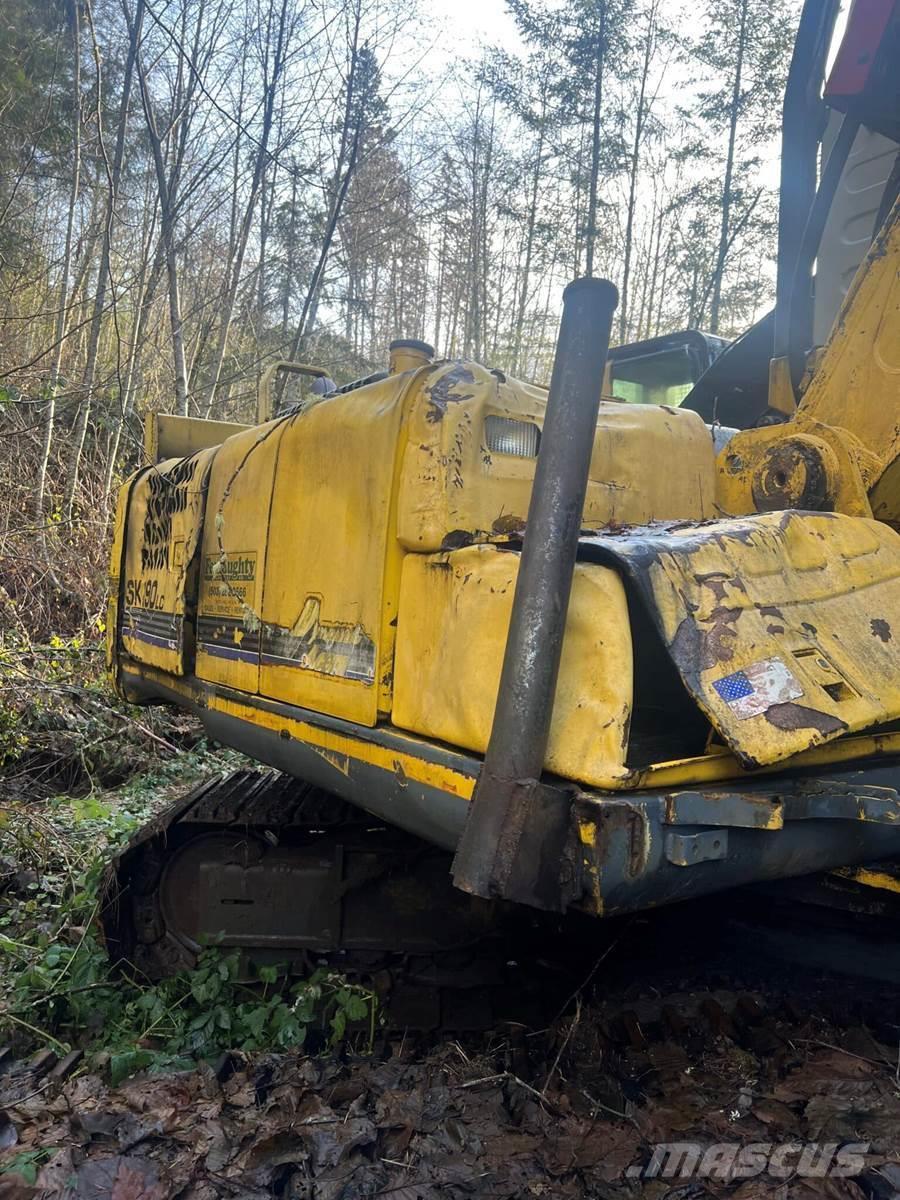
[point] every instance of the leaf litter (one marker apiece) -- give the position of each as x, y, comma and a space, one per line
644, 1055
574, 1110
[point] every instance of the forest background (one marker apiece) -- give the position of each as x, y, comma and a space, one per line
193, 189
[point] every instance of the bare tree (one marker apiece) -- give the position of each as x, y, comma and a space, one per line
62, 315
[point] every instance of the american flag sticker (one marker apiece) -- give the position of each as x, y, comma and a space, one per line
754, 690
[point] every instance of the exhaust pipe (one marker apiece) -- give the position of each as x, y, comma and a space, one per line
515, 844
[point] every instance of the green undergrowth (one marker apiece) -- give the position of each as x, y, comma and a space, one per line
57, 985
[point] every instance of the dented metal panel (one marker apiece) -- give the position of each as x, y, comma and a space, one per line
783, 627
454, 615
332, 569
454, 489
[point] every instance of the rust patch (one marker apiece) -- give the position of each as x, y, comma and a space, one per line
508, 524
622, 841
881, 629
686, 646
797, 716
456, 539
721, 634
769, 610
719, 582
695, 648
716, 581
440, 395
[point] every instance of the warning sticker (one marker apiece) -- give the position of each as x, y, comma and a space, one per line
754, 690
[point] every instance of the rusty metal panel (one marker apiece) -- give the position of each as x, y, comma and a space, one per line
743, 810
634, 858
164, 527
784, 627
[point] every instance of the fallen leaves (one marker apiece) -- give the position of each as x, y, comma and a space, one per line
118, 1178
457, 1122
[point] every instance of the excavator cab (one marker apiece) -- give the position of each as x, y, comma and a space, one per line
660, 370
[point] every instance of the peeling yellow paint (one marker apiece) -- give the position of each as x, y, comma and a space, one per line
870, 878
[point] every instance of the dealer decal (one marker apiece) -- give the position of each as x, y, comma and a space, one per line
228, 586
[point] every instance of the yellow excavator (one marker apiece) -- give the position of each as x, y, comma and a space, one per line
510, 646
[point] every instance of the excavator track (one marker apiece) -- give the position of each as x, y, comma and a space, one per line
291, 875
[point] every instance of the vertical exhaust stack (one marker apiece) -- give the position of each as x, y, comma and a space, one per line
514, 845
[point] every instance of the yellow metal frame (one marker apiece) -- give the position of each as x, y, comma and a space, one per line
845, 428
715, 767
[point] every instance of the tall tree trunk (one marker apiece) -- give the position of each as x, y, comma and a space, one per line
144, 291
439, 286
591, 237
734, 114
259, 167
529, 239
651, 268
114, 176
484, 240
348, 156
472, 340
167, 224
63, 298
633, 165
289, 267
267, 203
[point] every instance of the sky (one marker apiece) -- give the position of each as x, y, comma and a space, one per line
470, 24
463, 27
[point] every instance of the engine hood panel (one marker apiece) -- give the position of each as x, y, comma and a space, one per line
784, 627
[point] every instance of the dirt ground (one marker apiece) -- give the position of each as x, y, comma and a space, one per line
778, 1060
676, 1059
